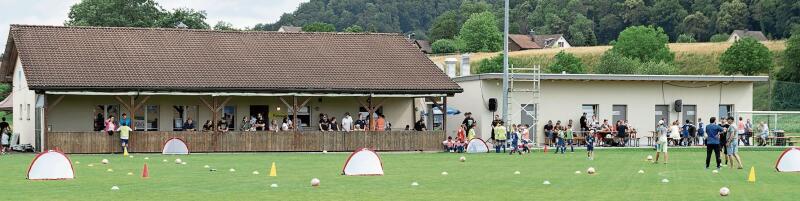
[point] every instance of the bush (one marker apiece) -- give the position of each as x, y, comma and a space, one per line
791, 61
686, 38
480, 33
746, 56
719, 38
444, 46
657, 68
566, 62
644, 43
354, 29
491, 65
614, 63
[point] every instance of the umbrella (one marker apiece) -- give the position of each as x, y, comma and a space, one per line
450, 111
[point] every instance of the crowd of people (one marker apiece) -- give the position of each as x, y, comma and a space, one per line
691, 133
725, 135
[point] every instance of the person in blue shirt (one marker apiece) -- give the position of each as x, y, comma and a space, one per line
124, 120
685, 133
713, 142
590, 145
700, 132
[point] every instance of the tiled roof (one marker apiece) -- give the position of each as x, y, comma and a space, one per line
758, 35
546, 40
115, 59
524, 41
424, 46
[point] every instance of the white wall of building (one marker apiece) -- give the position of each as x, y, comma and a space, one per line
562, 100
24, 107
563, 43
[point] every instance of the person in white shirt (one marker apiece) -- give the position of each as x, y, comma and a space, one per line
347, 122
285, 125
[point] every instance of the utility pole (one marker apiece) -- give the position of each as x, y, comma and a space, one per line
505, 63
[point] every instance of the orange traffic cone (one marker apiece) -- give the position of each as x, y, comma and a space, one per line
145, 172
545, 148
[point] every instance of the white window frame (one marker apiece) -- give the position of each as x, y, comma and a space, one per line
28, 111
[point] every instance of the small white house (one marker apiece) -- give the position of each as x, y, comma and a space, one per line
739, 34
519, 42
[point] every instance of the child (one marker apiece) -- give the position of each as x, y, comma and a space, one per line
449, 144
590, 145
569, 137
525, 138
4, 145
500, 137
124, 134
460, 145
662, 143
560, 141
514, 138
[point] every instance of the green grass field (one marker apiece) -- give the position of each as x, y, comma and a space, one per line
481, 177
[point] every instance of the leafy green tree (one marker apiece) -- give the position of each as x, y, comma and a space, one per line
444, 27
634, 12
746, 56
791, 61
696, 24
354, 29
668, 14
685, 38
190, 17
225, 26
319, 27
657, 68
581, 32
115, 13
644, 43
566, 62
733, 14
480, 33
615, 63
444, 46
719, 38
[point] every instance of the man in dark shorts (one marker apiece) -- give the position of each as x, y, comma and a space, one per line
584, 123
621, 128
722, 143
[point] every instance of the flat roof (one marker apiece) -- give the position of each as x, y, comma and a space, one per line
618, 77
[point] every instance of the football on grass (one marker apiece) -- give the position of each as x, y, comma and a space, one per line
724, 191
590, 170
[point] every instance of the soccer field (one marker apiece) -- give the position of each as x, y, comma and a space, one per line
481, 177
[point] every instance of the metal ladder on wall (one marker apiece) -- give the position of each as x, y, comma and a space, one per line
533, 93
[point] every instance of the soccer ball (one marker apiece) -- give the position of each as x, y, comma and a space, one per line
649, 157
178, 161
315, 182
590, 170
724, 191
104, 161
462, 159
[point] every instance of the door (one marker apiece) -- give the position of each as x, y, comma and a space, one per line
662, 112
689, 113
619, 112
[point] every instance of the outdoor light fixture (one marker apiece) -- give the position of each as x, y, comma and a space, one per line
278, 108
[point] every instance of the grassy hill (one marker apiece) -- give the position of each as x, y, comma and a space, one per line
691, 58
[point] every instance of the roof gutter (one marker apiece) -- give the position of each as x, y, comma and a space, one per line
155, 93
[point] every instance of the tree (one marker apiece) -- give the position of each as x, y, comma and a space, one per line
319, 27
480, 33
733, 14
444, 27
566, 62
746, 56
791, 61
491, 65
354, 29
719, 38
643, 43
635, 12
444, 46
685, 38
115, 13
668, 14
581, 33
190, 17
615, 63
225, 26
696, 24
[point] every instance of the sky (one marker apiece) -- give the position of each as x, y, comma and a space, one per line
240, 13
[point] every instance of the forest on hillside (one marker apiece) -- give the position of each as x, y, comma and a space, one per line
591, 22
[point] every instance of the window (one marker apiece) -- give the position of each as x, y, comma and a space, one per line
103, 112
619, 112
19, 83
180, 113
725, 111
20, 111
304, 115
560, 44
527, 112
28, 111
147, 118
590, 110
229, 114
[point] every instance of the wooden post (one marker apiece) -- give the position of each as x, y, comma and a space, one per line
413, 112
294, 114
369, 116
45, 128
430, 115
444, 114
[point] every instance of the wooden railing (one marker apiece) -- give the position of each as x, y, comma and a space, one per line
152, 141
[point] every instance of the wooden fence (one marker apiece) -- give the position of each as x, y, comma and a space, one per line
152, 141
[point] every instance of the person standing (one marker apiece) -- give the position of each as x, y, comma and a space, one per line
110, 125
500, 137
748, 132
701, 131
764, 134
584, 123
548, 132
380, 124
622, 128
124, 135
713, 141
685, 140
124, 120
662, 143
741, 132
187, 126
360, 124
420, 125
469, 122
347, 122
569, 136
324, 124
334, 126
733, 144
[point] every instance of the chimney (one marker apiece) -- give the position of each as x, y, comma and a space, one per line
181, 25
465, 69
450, 63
